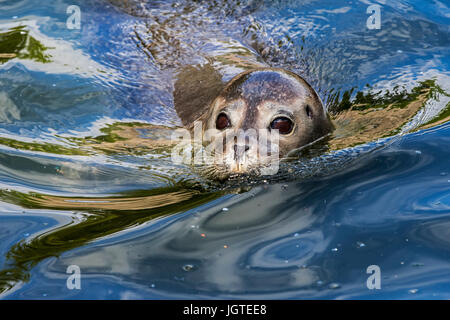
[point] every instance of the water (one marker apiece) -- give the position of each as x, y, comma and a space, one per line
86, 177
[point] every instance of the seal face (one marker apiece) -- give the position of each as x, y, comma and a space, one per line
264, 101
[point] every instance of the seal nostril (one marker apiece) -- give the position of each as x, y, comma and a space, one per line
247, 148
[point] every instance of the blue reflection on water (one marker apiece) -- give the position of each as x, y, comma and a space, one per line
300, 239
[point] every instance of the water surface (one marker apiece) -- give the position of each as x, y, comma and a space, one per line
86, 177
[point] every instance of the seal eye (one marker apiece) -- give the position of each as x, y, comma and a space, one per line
222, 121
283, 124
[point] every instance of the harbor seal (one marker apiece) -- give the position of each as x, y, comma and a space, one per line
221, 77
256, 102
231, 89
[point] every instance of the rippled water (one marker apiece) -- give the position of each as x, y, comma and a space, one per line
86, 177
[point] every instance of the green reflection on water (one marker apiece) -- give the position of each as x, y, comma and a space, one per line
41, 147
372, 115
104, 216
17, 43
371, 99
119, 137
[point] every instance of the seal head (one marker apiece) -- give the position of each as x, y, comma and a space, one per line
262, 102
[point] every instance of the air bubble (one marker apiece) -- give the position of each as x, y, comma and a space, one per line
188, 267
334, 285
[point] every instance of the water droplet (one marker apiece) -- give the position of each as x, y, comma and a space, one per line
188, 267
334, 249
224, 209
443, 174
26, 234
152, 285
319, 282
402, 262
286, 261
334, 285
360, 244
413, 291
418, 152
296, 234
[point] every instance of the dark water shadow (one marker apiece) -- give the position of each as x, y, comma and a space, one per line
105, 216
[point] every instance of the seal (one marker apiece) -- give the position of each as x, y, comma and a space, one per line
229, 86
255, 103
231, 90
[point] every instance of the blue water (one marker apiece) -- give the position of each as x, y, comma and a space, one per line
140, 228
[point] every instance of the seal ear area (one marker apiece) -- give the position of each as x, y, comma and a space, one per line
309, 111
323, 126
